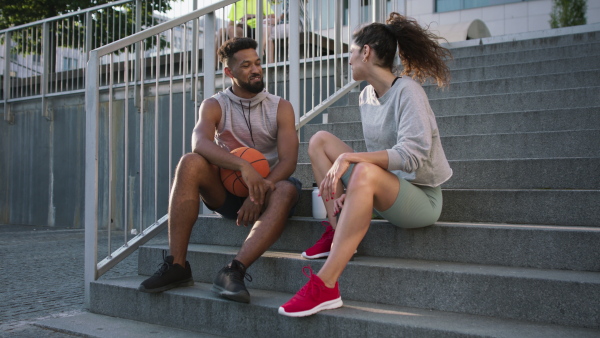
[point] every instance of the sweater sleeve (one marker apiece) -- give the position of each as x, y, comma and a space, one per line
414, 132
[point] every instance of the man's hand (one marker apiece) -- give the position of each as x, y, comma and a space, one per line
257, 185
248, 213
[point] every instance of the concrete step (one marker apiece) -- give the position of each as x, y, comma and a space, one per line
517, 206
86, 324
343, 114
526, 45
575, 64
494, 123
544, 247
522, 56
535, 100
547, 296
577, 143
557, 81
260, 319
545, 173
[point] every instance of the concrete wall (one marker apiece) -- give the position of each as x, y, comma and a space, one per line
42, 162
519, 17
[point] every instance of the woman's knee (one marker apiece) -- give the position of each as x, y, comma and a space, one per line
363, 174
317, 141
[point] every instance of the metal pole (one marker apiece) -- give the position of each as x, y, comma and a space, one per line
294, 53
138, 47
91, 174
7, 115
46, 69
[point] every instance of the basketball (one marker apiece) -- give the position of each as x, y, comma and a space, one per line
233, 181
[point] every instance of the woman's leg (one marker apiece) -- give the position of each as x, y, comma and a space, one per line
370, 187
323, 149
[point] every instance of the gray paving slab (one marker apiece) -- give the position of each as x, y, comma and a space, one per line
95, 325
42, 276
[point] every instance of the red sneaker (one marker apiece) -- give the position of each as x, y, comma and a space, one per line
323, 245
312, 298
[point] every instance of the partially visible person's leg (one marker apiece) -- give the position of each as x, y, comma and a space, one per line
267, 229
229, 282
369, 186
323, 149
194, 176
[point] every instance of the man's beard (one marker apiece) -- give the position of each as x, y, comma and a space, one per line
254, 88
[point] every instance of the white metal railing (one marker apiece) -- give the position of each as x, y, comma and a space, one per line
140, 109
47, 58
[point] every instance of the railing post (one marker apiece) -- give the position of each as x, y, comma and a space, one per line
259, 27
8, 117
91, 174
46, 69
137, 96
194, 56
209, 55
294, 55
354, 20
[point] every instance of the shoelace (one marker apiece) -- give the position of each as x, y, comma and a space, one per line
309, 287
238, 274
164, 267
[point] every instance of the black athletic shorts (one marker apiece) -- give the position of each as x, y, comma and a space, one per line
233, 203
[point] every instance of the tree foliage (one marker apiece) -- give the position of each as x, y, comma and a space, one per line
566, 13
108, 24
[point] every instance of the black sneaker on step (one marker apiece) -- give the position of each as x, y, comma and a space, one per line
229, 282
168, 276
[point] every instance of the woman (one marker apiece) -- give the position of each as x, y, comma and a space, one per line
401, 174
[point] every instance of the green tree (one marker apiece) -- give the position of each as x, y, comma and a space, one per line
567, 13
108, 25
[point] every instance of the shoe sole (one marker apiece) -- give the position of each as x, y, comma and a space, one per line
329, 305
242, 297
187, 282
319, 255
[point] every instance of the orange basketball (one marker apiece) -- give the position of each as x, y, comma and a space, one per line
233, 181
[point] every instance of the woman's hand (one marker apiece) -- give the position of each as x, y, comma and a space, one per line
338, 203
335, 173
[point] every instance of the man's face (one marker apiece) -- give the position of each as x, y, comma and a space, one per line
246, 70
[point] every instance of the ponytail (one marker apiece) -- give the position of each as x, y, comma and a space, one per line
421, 55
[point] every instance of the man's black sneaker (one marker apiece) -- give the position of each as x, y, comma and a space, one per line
168, 276
229, 282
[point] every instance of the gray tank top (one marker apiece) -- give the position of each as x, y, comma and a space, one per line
248, 123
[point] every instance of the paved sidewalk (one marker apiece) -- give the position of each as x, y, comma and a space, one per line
42, 276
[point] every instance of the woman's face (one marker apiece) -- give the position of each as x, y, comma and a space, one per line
356, 63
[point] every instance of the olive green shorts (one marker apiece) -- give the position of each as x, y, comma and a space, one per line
416, 206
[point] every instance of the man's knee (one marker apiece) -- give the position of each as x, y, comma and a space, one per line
285, 191
192, 163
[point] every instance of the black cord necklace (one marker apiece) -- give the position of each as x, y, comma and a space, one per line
248, 121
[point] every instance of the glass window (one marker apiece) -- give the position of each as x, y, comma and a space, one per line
454, 5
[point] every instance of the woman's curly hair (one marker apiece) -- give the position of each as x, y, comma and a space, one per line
421, 55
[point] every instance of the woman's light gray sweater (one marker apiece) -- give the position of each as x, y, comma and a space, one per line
402, 122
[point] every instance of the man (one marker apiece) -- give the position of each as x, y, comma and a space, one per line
242, 115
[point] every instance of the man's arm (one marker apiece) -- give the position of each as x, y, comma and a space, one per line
203, 144
287, 143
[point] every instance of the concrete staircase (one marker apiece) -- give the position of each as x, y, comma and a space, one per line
516, 252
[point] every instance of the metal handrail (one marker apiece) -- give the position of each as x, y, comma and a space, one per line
317, 67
